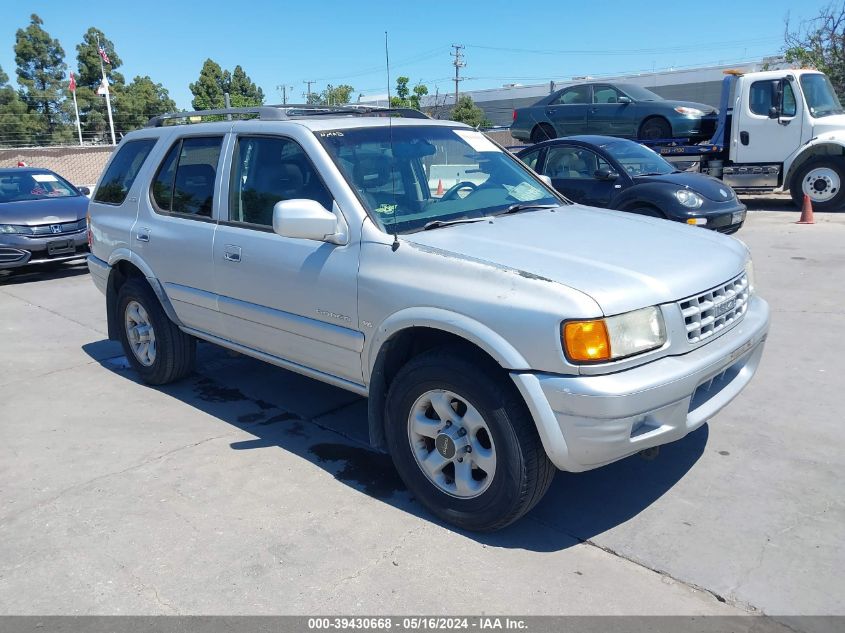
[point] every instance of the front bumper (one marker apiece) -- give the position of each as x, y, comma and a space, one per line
588, 421
21, 250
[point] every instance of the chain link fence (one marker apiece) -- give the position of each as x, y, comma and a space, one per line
80, 165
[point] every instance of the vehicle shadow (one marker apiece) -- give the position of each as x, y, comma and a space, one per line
29, 274
333, 436
769, 203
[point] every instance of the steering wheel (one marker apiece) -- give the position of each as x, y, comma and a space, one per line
452, 191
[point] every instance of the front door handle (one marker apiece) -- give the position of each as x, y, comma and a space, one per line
744, 138
143, 235
232, 253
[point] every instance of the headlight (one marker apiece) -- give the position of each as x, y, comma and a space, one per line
689, 111
749, 274
689, 198
11, 228
614, 337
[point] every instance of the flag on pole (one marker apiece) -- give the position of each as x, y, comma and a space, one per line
102, 52
103, 88
72, 84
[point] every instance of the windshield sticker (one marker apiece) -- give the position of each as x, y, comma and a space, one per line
44, 178
386, 208
477, 141
524, 192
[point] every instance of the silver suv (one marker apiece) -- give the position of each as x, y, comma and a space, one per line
498, 330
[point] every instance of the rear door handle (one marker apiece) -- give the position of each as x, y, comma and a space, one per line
232, 253
143, 235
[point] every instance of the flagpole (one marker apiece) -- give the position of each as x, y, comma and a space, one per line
76, 109
106, 86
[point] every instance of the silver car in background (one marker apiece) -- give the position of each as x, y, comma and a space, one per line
42, 218
498, 330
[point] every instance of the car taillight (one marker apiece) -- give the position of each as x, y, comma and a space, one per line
514, 115
90, 235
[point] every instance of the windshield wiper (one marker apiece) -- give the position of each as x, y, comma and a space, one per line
436, 224
525, 206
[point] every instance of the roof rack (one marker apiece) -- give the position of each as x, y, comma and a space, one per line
282, 112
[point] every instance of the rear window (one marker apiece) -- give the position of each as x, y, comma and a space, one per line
122, 171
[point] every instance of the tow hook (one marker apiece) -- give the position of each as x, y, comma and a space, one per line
650, 454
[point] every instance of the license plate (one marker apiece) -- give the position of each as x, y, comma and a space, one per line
60, 247
737, 217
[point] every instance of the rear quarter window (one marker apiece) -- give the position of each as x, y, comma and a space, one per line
122, 171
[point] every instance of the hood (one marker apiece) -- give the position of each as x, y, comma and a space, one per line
709, 187
826, 125
622, 261
45, 211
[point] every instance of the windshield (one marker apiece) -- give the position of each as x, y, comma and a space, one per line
638, 93
412, 176
820, 95
638, 160
27, 185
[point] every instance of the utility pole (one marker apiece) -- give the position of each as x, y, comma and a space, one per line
458, 63
308, 94
284, 90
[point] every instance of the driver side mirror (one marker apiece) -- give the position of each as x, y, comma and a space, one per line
307, 219
546, 179
605, 174
624, 100
85, 191
774, 113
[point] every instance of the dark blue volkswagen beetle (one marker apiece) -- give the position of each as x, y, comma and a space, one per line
614, 173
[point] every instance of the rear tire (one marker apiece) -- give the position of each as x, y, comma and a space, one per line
823, 179
542, 132
156, 348
447, 392
654, 128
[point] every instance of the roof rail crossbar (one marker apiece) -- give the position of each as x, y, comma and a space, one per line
265, 113
281, 112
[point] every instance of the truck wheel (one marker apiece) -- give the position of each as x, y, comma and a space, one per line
822, 179
156, 348
655, 128
463, 441
542, 132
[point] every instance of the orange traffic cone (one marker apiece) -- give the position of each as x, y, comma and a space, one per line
806, 211
439, 191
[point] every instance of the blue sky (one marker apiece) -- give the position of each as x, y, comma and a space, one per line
332, 41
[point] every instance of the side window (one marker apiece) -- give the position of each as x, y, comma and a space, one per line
605, 94
789, 108
574, 163
763, 96
266, 170
184, 182
574, 95
531, 158
122, 171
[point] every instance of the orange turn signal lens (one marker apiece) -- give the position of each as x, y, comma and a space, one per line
586, 340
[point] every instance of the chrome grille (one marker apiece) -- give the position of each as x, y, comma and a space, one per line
66, 227
710, 312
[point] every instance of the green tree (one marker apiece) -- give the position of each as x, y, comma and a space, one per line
467, 112
140, 101
336, 95
820, 43
17, 126
42, 77
92, 106
404, 98
242, 90
214, 82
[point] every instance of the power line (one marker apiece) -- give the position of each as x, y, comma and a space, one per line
630, 51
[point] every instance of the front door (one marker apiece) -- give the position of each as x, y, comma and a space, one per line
294, 299
758, 138
573, 173
568, 111
609, 117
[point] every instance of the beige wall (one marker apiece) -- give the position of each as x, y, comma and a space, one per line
79, 165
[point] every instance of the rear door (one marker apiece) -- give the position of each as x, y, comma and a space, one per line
295, 299
609, 117
568, 111
175, 229
572, 171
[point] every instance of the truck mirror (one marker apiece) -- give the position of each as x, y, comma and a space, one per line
774, 113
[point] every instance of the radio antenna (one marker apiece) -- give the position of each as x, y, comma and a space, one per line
395, 244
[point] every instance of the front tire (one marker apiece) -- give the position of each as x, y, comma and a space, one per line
463, 441
156, 348
823, 179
